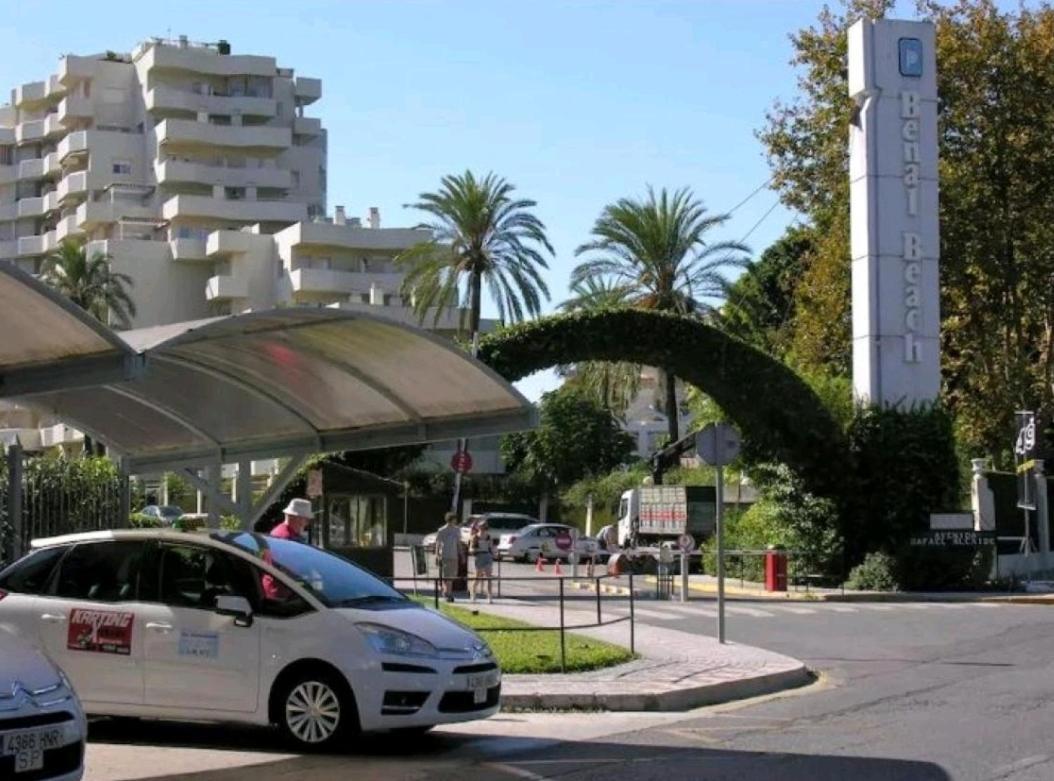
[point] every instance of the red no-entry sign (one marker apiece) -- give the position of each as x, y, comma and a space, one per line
461, 462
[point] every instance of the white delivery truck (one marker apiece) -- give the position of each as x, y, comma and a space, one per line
661, 513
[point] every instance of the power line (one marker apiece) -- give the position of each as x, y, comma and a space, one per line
760, 187
757, 224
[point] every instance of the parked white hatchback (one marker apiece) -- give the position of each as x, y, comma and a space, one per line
239, 627
42, 726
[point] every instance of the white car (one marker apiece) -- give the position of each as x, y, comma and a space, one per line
498, 524
42, 726
539, 539
238, 627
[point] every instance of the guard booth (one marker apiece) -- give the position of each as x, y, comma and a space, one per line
357, 514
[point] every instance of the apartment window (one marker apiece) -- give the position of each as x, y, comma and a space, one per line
234, 193
122, 167
322, 263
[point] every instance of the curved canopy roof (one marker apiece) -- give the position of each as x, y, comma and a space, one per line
257, 385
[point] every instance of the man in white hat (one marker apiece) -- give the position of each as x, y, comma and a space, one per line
298, 515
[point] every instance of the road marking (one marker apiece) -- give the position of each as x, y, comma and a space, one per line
950, 606
914, 606
884, 608
841, 608
640, 611
801, 611
516, 771
747, 611
689, 610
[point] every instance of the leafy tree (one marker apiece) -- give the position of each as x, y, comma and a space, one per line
760, 306
575, 437
480, 234
612, 384
658, 251
90, 283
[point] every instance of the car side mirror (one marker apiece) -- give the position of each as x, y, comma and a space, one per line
237, 608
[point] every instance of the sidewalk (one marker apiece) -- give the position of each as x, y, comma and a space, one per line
676, 671
644, 588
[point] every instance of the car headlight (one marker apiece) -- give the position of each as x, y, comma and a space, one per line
386, 640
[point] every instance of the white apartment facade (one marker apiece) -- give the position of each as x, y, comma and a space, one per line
198, 173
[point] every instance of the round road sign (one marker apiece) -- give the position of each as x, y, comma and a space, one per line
564, 540
461, 462
686, 542
717, 444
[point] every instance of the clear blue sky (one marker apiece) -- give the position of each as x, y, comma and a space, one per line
577, 103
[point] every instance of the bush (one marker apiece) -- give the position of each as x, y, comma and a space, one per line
140, 521
877, 572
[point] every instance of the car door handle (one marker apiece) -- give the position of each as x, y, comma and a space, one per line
53, 618
159, 626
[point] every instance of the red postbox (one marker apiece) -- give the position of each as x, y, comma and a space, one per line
775, 571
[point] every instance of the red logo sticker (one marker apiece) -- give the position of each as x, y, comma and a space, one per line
101, 631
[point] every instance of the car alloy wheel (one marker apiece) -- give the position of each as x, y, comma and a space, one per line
312, 712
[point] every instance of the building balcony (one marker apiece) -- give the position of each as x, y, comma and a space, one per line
307, 90
73, 144
8, 173
73, 185
317, 280
51, 201
197, 59
180, 171
32, 169
68, 227
8, 134
55, 87
307, 126
189, 132
222, 244
74, 69
33, 92
188, 249
61, 434
171, 99
30, 131
224, 288
325, 234
94, 213
8, 211
52, 167
53, 127
29, 246
75, 107
243, 211
30, 207
8, 250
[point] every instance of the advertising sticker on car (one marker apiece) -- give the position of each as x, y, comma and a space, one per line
100, 631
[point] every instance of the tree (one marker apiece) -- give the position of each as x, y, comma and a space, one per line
90, 283
611, 384
575, 438
658, 250
760, 306
996, 115
479, 233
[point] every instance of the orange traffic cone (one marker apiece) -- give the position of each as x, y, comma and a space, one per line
556, 568
539, 565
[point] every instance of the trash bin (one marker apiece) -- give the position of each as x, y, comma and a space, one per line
775, 570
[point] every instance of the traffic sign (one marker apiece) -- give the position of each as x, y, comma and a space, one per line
717, 444
461, 462
686, 542
564, 540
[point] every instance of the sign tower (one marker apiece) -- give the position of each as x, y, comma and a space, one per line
893, 195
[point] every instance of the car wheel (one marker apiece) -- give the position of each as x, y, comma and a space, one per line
316, 710
531, 556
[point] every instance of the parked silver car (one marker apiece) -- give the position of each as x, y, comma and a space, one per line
42, 724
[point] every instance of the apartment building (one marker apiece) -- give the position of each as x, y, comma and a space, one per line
198, 172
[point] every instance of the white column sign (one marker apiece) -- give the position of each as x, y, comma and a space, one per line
893, 192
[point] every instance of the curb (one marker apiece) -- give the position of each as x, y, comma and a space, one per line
670, 700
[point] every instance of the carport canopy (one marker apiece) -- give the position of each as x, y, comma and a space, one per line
285, 382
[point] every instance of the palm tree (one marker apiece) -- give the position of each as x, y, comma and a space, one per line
612, 384
480, 233
90, 283
657, 250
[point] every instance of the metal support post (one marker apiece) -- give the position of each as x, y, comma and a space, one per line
632, 619
563, 644
126, 498
14, 498
243, 493
684, 576
720, 556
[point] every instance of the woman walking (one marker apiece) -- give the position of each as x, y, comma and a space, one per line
481, 546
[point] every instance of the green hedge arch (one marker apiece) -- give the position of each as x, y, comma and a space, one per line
781, 418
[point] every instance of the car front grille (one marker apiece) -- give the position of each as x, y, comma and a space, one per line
39, 720
475, 668
57, 762
462, 702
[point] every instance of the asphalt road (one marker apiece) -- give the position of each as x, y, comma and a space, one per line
907, 691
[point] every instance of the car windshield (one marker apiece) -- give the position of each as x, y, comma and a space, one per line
336, 582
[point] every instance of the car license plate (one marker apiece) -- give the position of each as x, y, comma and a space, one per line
28, 747
479, 684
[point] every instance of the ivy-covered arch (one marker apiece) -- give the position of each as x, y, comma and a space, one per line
780, 417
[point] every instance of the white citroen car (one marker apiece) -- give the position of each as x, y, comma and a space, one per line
42, 726
238, 627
